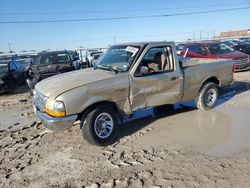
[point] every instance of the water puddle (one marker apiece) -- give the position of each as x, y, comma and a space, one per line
222, 131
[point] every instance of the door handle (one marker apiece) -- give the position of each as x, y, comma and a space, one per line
174, 78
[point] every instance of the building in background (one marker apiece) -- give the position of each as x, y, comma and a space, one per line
233, 34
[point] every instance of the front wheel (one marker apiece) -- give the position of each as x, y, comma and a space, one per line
207, 97
100, 126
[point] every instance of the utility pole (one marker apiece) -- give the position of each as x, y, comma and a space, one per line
9, 47
200, 35
114, 40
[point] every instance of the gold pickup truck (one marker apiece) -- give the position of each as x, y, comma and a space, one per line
127, 78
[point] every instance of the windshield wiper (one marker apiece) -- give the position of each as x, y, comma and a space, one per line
109, 67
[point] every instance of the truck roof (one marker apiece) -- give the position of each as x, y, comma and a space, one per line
144, 43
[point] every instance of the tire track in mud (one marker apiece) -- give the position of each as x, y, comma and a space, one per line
116, 153
118, 165
175, 169
15, 148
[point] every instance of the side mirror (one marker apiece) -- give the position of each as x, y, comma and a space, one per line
144, 70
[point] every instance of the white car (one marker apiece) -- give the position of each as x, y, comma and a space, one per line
90, 56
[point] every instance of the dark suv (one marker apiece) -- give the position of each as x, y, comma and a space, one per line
12, 74
49, 64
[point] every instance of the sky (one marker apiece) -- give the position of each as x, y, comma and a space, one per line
102, 33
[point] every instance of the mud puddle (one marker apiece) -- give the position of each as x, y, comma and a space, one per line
222, 131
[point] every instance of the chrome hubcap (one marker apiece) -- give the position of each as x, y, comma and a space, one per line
103, 125
210, 97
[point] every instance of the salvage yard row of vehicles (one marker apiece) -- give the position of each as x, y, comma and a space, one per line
216, 49
129, 77
12, 74
50, 63
32, 69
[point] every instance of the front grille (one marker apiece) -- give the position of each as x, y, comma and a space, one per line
39, 101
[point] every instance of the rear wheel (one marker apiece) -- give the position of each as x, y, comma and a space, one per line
207, 97
100, 126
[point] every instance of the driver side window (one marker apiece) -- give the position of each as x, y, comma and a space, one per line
156, 60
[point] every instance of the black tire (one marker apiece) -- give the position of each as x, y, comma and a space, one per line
207, 96
89, 126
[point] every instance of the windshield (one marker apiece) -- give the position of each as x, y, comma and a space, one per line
52, 57
220, 48
118, 58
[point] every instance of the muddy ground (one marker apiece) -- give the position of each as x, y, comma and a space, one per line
184, 148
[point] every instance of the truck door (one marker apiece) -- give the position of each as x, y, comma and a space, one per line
157, 78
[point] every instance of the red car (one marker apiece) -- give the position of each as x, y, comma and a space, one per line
214, 49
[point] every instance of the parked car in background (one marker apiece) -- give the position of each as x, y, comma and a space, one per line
12, 74
243, 47
230, 43
96, 56
51, 63
179, 48
215, 49
26, 60
90, 56
6, 58
74, 54
245, 39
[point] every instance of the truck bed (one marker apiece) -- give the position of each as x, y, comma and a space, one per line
197, 70
187, 62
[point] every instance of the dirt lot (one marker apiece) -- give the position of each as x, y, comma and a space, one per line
185, 148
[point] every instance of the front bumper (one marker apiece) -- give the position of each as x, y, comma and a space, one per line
56, 123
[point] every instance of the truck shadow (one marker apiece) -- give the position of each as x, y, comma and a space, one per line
136, 125
147, 117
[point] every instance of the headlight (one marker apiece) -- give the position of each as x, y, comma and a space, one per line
55, 108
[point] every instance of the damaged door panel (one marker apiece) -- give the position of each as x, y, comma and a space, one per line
161, 84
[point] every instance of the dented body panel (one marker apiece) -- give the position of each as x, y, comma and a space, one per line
129, 91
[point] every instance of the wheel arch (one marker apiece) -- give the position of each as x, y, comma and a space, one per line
113, 105
212, 79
